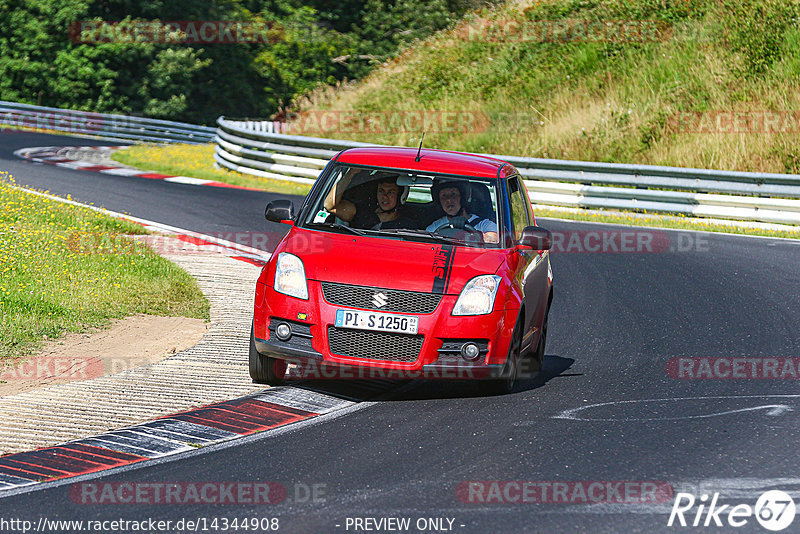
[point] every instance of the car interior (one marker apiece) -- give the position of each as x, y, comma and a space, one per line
419, 206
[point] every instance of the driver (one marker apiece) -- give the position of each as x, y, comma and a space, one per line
450, 195
387, 215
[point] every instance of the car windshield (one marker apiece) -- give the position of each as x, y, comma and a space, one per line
407, 205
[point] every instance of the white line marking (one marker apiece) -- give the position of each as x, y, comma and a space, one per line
774, 409
122, 171
76, 164
187, 180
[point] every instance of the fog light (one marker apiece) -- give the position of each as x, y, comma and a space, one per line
283, 331
470, 351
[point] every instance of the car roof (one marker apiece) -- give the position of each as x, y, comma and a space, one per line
434, 161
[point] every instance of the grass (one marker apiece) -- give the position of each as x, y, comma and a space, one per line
596, 100
197, 161
65, 268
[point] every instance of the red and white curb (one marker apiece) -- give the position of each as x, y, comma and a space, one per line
173, 434
231, 249
56, 155
185, 431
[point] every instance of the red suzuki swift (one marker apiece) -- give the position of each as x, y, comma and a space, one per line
406, 263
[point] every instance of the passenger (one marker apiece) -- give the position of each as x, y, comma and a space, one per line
387, 215
451, 195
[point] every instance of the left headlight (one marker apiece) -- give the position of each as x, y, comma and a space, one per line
290, 276
477, 297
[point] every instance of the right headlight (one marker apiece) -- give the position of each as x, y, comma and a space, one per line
477, 297
290, 276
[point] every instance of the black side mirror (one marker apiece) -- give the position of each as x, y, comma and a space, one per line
279, 210
536, 237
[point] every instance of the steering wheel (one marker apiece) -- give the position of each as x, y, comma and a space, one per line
456, 227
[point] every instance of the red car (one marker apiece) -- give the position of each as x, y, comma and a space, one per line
419, 263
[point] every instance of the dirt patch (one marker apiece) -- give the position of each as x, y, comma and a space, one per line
131, 342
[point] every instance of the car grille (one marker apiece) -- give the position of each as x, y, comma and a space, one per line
374, 345
396, 301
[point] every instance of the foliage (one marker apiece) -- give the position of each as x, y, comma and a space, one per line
44, 61
757, 28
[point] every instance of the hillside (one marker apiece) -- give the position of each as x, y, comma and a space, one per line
695, 83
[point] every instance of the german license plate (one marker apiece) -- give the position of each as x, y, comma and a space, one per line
381, 322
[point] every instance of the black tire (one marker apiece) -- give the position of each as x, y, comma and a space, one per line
263, 369
538, 355
505, 384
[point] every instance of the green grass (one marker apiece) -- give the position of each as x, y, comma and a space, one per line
197, 161
594, 100
66, 268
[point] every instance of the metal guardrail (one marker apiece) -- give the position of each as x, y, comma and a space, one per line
103, 125
258, 148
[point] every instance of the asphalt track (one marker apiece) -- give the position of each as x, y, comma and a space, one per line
616, 320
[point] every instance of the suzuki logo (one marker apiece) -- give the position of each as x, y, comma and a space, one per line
379, 300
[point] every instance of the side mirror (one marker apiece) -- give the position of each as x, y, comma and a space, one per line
536, 237
279, 210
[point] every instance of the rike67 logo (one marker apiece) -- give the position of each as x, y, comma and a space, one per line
774, 510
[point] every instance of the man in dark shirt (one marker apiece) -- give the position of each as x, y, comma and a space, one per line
387, 215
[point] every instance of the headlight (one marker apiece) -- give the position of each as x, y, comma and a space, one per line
290, 276
477, 297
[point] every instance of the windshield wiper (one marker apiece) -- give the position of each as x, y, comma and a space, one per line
409, 232
337, 226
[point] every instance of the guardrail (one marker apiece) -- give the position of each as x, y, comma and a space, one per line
103, 125
258, 148
262, 149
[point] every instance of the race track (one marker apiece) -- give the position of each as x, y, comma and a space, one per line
605, 409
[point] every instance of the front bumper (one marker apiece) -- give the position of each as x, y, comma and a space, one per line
441, 335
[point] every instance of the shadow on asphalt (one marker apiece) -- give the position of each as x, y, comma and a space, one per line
406, 390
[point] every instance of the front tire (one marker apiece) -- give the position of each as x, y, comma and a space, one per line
538, 356
263, 369
505, 384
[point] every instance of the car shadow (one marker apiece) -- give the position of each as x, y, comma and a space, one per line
404, 390
552, 367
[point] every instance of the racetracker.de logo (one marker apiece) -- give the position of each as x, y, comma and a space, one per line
68, 121
567, 492
177, 493
564, 31
387, 122
218, 243
735, 122
70, 367
320, 371
174, 32
733, 368
626, 242
55, 367
311, 370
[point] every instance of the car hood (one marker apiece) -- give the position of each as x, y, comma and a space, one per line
390, 263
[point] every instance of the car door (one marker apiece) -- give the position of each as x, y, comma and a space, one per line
532, 275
